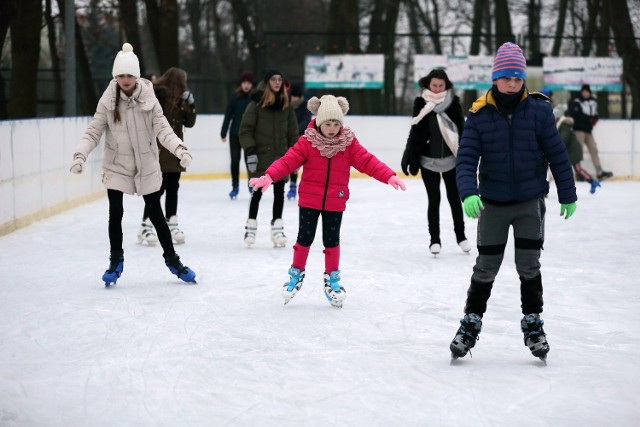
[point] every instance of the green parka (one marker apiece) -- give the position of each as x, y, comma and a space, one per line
267, 132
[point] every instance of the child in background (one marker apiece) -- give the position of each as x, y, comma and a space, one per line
303, 116
327, 151
131, 118
565, 127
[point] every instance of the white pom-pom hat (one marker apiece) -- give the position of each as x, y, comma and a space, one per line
126, 62
328, 108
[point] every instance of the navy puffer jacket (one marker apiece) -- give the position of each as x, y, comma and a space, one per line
513, 155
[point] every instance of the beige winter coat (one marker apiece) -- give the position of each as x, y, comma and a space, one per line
130, 163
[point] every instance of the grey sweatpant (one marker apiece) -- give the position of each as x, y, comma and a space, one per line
527, 220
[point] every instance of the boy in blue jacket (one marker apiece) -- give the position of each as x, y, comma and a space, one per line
511, 134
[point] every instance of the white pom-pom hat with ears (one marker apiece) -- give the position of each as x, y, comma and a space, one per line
126, 62
328, 108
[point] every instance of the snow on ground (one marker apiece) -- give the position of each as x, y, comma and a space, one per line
227, 352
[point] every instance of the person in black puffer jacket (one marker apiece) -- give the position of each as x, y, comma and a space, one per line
431, 149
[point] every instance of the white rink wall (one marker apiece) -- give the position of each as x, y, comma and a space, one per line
35, 156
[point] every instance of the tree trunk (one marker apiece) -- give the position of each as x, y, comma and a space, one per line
593, 7
129, 19
504, 33
562, 16
478, 17
168, 48
602, 49
412, 11
55, 61
5, 20
533, 12
627, 48
244, 18
25, 54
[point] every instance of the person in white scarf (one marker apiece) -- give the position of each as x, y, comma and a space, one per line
431, 149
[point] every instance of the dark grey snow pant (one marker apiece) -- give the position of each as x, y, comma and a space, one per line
527, 220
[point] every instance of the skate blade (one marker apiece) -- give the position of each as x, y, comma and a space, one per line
109, 284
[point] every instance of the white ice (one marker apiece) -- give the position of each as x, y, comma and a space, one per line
152, 351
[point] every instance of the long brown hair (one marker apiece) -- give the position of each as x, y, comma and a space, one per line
116, 112
269, 97
174, 83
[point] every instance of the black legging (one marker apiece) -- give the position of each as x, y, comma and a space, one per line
152, 205
236, 153
170, 185
432, 184
278, 201
308, 224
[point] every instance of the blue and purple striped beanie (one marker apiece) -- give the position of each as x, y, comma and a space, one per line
509, 62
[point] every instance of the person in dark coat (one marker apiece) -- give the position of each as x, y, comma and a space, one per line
584, 110
431, 150
268, 129
231, 124
179, 107
303, 116
508, 143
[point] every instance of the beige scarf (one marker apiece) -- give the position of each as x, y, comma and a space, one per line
329, 147
433, 99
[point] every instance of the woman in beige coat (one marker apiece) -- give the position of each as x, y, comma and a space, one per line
131, 118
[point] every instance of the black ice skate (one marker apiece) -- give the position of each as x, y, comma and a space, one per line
466, 336
534, 336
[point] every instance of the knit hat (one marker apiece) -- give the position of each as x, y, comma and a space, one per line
585, 87
270, 72
509, 62
126, 62
328, 108
246, 76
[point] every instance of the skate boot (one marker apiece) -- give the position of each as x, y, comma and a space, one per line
176, 267
146, 233
435, 248
116, 266
534, 336
335, 293
291, 288
594, 184
465, 246
277, 233
250, 232
234, 193
291, 195
466, 336
604, 175
176, 234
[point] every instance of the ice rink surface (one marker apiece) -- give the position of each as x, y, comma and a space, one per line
153, 351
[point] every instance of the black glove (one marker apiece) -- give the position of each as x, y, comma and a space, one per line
410, 161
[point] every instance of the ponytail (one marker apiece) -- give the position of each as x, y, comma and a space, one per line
116, 112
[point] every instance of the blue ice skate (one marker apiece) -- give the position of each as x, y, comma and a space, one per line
234, 193
293, 191
183, 272
291, 288
116, 266
594, 185
335, 293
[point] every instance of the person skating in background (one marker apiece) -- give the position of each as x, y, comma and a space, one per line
431, 150
179, 107
584, 110
303, 116
564, 123
131, 118
327, 151
267, 130
231, 124
511, 134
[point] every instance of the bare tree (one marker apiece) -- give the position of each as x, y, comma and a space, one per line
55, 61
129, 18
627, 47
502, 17
163, 25
25, 53
562, 15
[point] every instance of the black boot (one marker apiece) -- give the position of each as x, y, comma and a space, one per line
467, 335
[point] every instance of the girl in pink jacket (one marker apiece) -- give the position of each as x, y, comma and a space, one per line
327, 151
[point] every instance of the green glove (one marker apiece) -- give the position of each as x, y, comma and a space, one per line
472, 206
567, 209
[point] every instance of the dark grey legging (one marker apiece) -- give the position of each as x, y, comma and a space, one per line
154, 209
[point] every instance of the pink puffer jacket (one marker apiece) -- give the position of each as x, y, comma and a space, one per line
324, 184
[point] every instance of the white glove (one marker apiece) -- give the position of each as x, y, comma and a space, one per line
78, 164
252, 163
184, 156
188, 97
